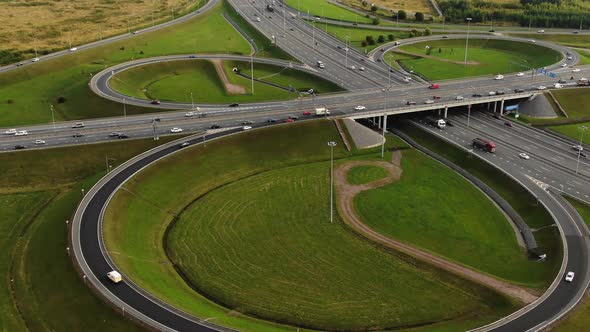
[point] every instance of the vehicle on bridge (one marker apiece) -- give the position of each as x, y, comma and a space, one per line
484, 144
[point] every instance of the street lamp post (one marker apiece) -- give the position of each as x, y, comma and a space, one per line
468, 114
384, 121
52, 117
192, 102
252, 71
582, 130
124, 109
331, 144
467, 39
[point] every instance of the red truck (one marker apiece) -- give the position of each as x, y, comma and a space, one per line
484, 144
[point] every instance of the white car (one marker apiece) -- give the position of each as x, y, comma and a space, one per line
135, 32
492, 93
569, 57
459, 98
569, 277
176, 130
578, 148
39, 141
10, 132
524, 156
258, 19
360, 108
429, 101
21, 133
499, 77
558, 85
532, 41
541, 31
362, 68
520, 75
189, 114
563, 65
115, 276
352, 67
541, 87
73, 49
246, 127
35, 59
576, 70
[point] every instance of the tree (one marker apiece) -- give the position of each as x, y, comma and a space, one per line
419, 16
373, 8
402, 15
365, 3
364, 43
439, 50
376, 21
427, 32
381, 39
391, 37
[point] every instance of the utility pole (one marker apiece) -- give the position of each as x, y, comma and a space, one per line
467, 39
331, 144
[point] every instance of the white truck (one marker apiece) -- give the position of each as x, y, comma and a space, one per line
321, 111
115, 276
438, 123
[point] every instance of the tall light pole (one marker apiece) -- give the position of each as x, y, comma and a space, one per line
389, 72
468, 114
252, 70
124, 109
331, 144
52, 117
346, 51
384, 121
192, 102
582, 130
467, 39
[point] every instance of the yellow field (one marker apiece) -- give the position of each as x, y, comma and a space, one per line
55, 24
410, 6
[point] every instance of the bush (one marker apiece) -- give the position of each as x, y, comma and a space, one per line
427, 32
380, 39
10, 101
402, 15
364, 43
7, 57
391, 37
61, 99
419, 17
376, 21
373, 8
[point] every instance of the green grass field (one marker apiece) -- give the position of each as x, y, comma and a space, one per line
574, 101
319, 275
577, 320
439, 216
129, 220
365, 174
26, 93
574, 131
39, 191
357, 35
534, 214
326, 9
491, 56
176, 80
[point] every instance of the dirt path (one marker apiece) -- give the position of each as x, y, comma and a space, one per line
345, 202
230, 88
435, 58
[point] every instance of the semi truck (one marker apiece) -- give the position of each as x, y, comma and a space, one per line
320, 111
484, 144
583, 81
438, 123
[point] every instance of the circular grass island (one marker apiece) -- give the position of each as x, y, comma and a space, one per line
242, 238
444, 59
215, 81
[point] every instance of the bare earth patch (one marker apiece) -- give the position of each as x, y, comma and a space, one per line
345, 203
230, 88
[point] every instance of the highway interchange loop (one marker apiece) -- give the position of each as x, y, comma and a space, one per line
93, 260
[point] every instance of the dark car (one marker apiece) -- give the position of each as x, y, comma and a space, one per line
215, 126
449, 123
518, 90
293, 117
271, 120
123, 136
155, 102
491, 30
500, 92
19, 147
355, 24
78, 135
378, 60
234, 105
410, 102
339, 47
19, 64
508, 124
496, 116
476, 95
562, 81
247, 122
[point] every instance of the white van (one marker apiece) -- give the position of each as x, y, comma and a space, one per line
115, 276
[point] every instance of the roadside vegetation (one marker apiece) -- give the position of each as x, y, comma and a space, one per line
177, 80
444, 59
324, 8
49, 26
365, 174
534, 214
266, 177
39, 191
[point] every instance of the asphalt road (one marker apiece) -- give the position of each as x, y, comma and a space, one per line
564, 295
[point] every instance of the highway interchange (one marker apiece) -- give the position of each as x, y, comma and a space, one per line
552, 161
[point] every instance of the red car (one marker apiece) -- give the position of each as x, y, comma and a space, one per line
436, 97
307, 113
289, 120
434, 86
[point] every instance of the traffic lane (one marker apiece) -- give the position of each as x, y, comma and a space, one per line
506, 157
496, 129
92, 250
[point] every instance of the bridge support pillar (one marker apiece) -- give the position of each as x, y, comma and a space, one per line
446, 109
495, 105
438, 110
488, 106
378, 122
502, 107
